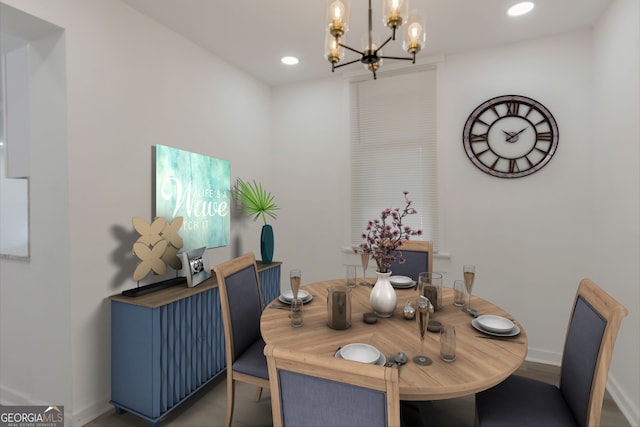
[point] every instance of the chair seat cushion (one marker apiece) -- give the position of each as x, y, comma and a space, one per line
253, 361
521, 401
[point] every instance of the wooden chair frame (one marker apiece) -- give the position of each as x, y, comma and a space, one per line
373, 377
419, 246
411, 249
613, 312
223, 271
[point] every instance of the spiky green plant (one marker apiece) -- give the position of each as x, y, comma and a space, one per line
254, 200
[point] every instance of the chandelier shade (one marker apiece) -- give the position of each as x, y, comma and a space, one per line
394, 15
338, 17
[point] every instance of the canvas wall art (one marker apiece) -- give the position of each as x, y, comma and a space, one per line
196, 187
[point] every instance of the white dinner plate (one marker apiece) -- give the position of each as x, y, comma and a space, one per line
496, 324
382, 360
404, 286
359, 352
512, 333
287, 296
400, 280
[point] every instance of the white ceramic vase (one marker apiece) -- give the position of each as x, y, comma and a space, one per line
383, 297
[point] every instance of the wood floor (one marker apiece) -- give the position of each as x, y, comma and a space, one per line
208, 406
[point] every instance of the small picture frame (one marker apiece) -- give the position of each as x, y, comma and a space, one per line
196, 266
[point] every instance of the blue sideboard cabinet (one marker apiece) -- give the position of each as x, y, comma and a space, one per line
168, 344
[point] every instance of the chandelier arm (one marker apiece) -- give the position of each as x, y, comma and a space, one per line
350, 48
369, 57
404, 58
346, 63
382, 45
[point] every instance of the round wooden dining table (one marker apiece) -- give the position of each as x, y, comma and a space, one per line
480, 362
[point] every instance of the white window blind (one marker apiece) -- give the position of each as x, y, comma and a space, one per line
393, 149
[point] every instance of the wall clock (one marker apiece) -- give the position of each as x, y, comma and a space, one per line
510, 136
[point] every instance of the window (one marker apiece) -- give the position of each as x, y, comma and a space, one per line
393, 149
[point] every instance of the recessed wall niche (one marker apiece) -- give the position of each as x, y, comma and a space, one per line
29, 62
14, 160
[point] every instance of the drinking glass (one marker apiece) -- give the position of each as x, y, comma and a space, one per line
364, 257
423, 308
469, 272
430, 285
296, 312
459, 293
448, 343
351, 276
423, 279
295, 276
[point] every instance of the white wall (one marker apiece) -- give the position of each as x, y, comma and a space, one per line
533, 239
132, 84
526, 236
35, 307
616, 140
311, 158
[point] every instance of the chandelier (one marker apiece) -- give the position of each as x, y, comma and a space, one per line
394, 15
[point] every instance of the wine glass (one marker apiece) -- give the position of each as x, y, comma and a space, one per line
364, 257
423, 308
295, 276
469, 272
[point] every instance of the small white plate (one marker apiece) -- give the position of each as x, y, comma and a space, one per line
401, 280
288, 295
512, 333
288, 301
496, 324
359, 352
409, 285
380, 362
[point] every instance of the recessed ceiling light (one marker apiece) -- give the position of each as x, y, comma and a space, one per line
520, 8
289, 60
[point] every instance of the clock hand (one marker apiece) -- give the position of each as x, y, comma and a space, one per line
510, 135
513, 136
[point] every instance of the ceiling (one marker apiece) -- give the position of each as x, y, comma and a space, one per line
254, 34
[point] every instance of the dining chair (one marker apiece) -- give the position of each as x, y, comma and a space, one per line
418, 257
241, 302
577, 401
314, 390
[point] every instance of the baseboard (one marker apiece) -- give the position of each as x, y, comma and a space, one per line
544, 356
12, 397
90, 413
627, 406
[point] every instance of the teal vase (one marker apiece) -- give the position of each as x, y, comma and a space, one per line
266, 244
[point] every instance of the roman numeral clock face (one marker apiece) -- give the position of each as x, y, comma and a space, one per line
510, 136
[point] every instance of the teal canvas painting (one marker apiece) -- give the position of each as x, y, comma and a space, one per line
198, 188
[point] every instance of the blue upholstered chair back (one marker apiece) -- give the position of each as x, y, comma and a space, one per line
582, 346
311, 401
245, 308
415, 263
